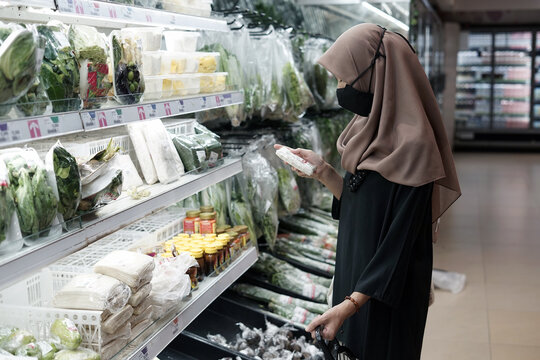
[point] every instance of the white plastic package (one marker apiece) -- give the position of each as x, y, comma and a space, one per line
138, 297
109, 350
142, 306
136, 135
146, 315
130, 175
139, 328
129, 267
295, 161
115, 321
123, 332
10, 233
79, 354
448, 280
165, 158
93, 292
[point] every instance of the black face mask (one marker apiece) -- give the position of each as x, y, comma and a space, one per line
359, 102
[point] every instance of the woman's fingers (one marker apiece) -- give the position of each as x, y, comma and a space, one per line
278, 146
319, 320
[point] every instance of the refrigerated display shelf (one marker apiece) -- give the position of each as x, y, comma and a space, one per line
105, 15
47, 126
495, 98
110, 218
489, 65
155, 338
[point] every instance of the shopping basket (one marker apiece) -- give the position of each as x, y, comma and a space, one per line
332, 349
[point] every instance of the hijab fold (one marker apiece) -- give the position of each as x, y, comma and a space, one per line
403, 138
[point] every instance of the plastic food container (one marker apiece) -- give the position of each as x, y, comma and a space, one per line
214, 82
151, 61
182, 41
167, 87
186, 84
154, 87
168, 62
207, 61
150, 37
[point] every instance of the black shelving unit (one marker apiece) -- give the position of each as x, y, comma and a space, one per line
498, 89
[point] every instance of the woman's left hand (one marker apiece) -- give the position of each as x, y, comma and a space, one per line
332, 320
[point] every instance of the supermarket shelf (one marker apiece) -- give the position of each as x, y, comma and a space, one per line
496, 65
48, 4
524, 98
41, 127
111, 218
502, 48
107, 15
155, 338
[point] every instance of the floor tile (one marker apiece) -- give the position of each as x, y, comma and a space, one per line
514, 327
457, 323
513, 352
452, 350
512, 296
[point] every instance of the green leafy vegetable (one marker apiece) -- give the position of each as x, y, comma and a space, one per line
68, 334
7, 207
68, 182
34, 102
17, 339
289, 195
45, 201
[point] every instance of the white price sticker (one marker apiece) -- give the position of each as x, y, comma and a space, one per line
52, 125
4, 132
299, 315
151, 110
309, 291
284, 299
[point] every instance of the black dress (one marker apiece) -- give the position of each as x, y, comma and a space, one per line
384, 250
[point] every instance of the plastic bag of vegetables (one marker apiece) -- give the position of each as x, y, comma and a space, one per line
59, 72
240, 212
321, 82
21, 53
128, 79
10, 233
216, 195
66, 178
91, 51
34, 102
36, 197
192, 154
16, 339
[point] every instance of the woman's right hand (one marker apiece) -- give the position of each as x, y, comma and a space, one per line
311, 157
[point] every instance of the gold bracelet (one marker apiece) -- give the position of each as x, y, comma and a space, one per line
355, 303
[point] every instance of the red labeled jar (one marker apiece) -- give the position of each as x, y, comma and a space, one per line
192, 222
208, 223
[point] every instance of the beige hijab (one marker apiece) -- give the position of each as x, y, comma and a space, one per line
403, 138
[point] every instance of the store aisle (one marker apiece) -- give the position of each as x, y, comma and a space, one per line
492, 234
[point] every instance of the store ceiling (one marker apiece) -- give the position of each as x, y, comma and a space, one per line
489, 12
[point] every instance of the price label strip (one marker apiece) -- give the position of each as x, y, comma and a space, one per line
37, 128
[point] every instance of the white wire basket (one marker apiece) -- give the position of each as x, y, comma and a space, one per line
181, 126
160, 226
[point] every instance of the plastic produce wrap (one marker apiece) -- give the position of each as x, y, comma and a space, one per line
240, 211
192, 154
131, 178
34, 102
93, 292
170, 283
91, 51
295, 314
10, 232
64, 332
262, 188
79, 354
129, 267
97, 165
142, 306
212, 147
128, 80
67, 179
138, 297
136, 134
273, 105
16, 339
330, 127
191, 202
216, 195
116, 320
166, 160
102, 191
34, 193
321, 82
41, 350
59, 72
21, 53
122, 332
146, 315
112, 348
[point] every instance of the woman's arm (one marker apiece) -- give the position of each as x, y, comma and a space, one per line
323, 172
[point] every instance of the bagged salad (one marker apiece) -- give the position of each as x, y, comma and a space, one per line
35, 196
91, 50
10, 233
59, 72
212, 148
34, 102
192, 154
128, 78
240, 211
21, 53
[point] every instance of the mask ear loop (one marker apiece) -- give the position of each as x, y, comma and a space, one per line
377, 55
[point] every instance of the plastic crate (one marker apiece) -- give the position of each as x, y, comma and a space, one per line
26, 305
181, 127
160, 226
92, 147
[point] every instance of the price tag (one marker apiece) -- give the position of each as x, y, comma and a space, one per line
33, 128
141, 113
4, 133
117, 117
52, 125
126, 12
203, 102
227, 99
175, 326
92, 8
89, 119
150, 110
16, 135
182, 106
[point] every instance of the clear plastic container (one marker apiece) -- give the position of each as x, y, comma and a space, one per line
151, 61
186, 84
213, 82
150, 37
168, 62
182, 41
154, 87
208, 61
167, 87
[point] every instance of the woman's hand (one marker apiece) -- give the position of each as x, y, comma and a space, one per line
332, 320
311, 157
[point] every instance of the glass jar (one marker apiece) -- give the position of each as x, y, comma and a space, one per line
226, 238
222, 229
211, 260
192, 222
198, 254
221, 253
208, 223
206, 209
243, 231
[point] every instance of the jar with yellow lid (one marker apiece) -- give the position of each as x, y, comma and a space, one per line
222, 229
226, 251
227, 238
236, 240
208, 223
243, 231
192, 222
166, 255
206, 209
221, 253
211, 260
198, 254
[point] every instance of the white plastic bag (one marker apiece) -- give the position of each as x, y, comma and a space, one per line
448, 280
115, 321
129, 267
138, 297
129, 172
136, 134
10, 232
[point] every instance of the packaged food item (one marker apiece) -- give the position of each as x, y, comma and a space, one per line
10, 233
207, 61
212, 147
130, 175
112, 348
193, 155
295, 161
139, 328
65, 331
93, 292
102, 191
34, 102
186, 84
116, 320
148, 38
146, 315
92, 51
16, 339
211, 83
183, 41
142, 306
192, 222
79, 354
198, 254
128, 79
59, 72
151, 63
136, 134
129, 267
138, 297
211, 260
208, 223
123, 331
154, 87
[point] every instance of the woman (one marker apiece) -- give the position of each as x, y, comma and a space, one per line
400, 179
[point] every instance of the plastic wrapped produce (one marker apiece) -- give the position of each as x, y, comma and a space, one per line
116, 320
165, 158
123, 332
128, 78
131, 178
136, 134
103, 190
34, 102
295, 314
59, 72
10, 233
34, 193
216, 195
93, 292
212, 147
98, 164
66, 333
16, 339
79, 354
20, 59
139, 328
192, 154
41, 350
145, 315
240, 211
91, 51
67, 179
321, 82
142, 306
129, 267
